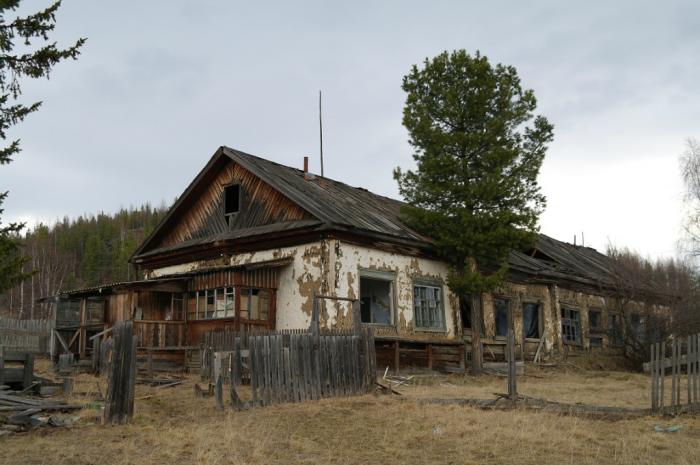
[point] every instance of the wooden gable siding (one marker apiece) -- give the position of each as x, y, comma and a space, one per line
265, 278
204, 215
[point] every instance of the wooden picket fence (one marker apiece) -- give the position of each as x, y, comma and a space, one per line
684, 357
293, 366
25, 336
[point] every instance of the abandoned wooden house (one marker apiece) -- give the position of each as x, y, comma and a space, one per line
251, 243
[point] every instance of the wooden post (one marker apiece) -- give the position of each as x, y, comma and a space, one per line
2, 365
512, 374
673, 375
119, 407
679, 347
691, 368
662, 372
477, 355
652, 369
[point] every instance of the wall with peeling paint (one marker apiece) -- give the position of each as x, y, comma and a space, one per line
333, 267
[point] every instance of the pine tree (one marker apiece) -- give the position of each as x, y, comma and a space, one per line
478, 148
15, 65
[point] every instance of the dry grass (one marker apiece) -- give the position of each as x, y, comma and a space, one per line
174, 427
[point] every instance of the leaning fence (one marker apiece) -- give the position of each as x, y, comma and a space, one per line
684, 364
290, 366
25, 336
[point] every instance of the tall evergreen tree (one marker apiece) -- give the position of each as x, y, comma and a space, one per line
28, 62
478, 148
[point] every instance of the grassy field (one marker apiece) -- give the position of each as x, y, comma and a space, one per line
174, 427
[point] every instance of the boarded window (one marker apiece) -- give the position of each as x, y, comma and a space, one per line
614, 330
255, 304
232, 199
531, 321
500, 314
376, 300
427, 307
595, 320
571, 325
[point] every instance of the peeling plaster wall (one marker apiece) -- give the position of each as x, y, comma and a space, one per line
297, 281
345, 265
333, 267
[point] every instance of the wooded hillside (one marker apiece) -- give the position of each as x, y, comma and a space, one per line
80, 252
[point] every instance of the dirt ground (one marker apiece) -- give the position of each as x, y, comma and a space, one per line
174, 427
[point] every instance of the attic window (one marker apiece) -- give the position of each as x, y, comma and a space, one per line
232, 199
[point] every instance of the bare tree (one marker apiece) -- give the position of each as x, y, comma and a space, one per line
690, 173
654, 300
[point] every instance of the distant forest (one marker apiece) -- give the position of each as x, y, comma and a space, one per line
75, 253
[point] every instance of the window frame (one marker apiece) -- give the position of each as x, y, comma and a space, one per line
429, 284
387, 276
228, 215
579, 337
206, 294
596, 330
508, 300
540, 319
619, 340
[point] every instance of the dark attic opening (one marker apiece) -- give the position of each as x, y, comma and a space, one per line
232, 199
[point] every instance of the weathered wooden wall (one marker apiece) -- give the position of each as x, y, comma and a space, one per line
203, 216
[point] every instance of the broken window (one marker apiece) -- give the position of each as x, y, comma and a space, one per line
376, 300
571, 325
614, 330
595, 320
427, 307
232, 199
95, 310
211, 303
531, 320
255, 304
465, 310
500, 314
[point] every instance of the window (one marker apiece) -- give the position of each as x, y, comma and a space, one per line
465, 310
232, 199
571, 325
427, 307
95, 309
595, 320
212, 303
614, 330
500, 314
596, 341
531, 321
376, 300
255, 304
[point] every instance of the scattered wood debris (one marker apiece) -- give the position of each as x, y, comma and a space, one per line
22, 413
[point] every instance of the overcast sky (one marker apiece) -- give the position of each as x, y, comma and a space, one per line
160, 85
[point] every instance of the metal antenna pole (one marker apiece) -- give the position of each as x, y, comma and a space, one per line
320, 129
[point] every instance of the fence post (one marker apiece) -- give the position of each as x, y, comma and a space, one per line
652, 369
120, 392
512, 373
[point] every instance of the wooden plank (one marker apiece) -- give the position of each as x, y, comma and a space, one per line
662, 371
286, 367
253, 367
